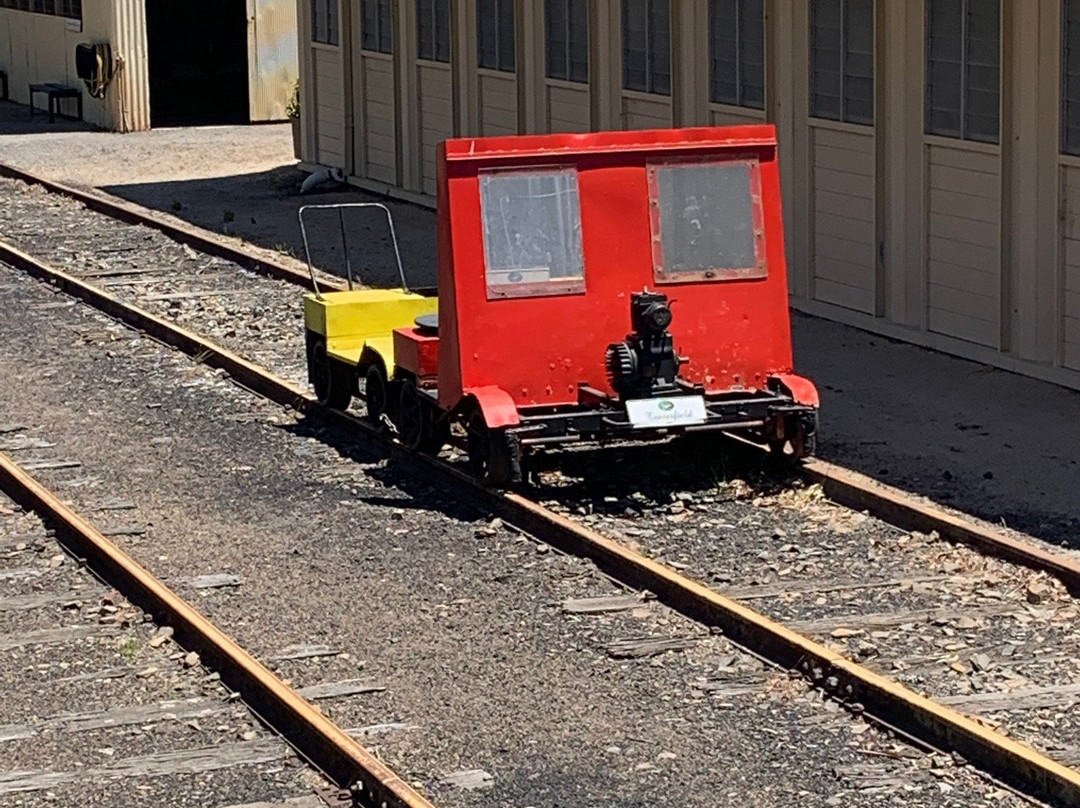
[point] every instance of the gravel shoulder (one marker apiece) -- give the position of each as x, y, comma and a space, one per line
944, 619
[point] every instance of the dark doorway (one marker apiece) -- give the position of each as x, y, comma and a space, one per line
198, 61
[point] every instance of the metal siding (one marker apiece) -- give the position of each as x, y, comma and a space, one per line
843, 260
274, 58
963, 263
380, 106
329, 107
131, 90
39, 48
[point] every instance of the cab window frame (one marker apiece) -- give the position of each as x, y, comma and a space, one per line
712, 274
551, 286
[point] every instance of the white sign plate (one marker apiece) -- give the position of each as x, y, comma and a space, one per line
660, 412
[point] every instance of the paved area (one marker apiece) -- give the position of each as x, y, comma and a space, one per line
992, 443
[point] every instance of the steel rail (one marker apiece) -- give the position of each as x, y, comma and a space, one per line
881, 698
901, 509
198, 238
313, 736
843, 486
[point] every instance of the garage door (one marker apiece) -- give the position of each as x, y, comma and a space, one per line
376, 88
567, 101
842, 149
646, 64
329, 84
736, 62
434, 82
963, 170
496, 67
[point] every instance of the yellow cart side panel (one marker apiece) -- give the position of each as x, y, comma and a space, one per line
351, 321
351, 349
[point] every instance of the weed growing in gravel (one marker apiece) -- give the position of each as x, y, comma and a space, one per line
129, 648
228, 216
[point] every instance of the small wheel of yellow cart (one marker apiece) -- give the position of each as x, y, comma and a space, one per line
333, 384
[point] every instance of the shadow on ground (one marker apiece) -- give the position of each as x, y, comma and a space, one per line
629, 479
19, 119
261, 208
624, 480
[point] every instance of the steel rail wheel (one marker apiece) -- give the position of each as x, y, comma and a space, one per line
490, 457
332, 385
376, 395
418, 427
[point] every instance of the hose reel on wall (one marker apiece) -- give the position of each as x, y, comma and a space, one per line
94, 65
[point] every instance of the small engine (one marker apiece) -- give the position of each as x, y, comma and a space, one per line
645, 363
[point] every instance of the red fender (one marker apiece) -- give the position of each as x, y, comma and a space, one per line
801, 390
497, 406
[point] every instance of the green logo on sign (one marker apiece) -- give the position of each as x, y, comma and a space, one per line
666, 406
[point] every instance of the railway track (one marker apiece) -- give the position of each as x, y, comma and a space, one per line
966, 610
139, 686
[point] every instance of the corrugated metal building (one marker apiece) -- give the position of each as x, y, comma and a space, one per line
931, 148
176, 61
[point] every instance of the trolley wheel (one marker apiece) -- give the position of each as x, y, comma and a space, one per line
376, 394
490, 456
418, 428
332, 384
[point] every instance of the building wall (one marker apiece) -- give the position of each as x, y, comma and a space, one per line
39, 48
964, 246
36, 48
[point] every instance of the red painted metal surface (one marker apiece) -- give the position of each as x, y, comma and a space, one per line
802, 390
735, 333
498, 407
417, 352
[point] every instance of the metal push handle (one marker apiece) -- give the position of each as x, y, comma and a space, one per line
340, 208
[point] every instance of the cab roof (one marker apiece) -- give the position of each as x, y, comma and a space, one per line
559, 147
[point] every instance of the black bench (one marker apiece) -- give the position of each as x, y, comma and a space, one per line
55, 92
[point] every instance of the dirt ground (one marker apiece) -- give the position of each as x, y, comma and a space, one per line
989, 442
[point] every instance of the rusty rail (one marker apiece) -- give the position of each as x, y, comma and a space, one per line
313, 736
204, 241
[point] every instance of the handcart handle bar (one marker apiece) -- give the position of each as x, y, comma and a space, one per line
340, 208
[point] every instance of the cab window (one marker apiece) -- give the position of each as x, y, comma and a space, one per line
532, 233
707, 221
